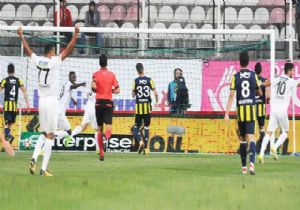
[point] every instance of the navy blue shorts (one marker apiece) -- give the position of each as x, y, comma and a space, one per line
246, 128
261, 121
10, 117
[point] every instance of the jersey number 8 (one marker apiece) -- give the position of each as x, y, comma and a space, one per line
245, 89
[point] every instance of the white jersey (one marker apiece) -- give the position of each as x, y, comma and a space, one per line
281, 92
65, 95
90, 104
48, 73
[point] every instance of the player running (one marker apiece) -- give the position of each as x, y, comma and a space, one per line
261, 102
65, 96
89, 116
104, 83
11, 86
245, 85
141, 91
48, 67
281, 92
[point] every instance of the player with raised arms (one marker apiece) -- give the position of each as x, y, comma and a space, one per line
47, 69
141, 91
245, 85
11, 86
104, 83
281, 91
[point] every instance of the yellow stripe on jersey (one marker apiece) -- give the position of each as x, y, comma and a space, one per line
10, 105
5, 105
136, 109
152, 85
3, 83
260, 110
241, 113
21, 82
141, 109
253, 112
145, 108
232, 86
248, 113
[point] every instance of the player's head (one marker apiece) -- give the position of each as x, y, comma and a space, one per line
49, 50
244, 59
258, 68
72, 76
177, 73
103, 60
92, 6
139, 68
11, 69
62, 2
289, 69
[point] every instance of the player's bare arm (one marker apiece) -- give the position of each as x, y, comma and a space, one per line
229, 104
156, 95
259, 92
24, 42
116, 90
75, 86
25, 94
71, 45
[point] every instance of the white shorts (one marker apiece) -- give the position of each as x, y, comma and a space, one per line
278, 119
48, 114
90, 117
63, 122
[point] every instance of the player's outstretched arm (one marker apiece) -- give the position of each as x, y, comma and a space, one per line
71, 45
229, 104
24, 42
25, 97
75, 86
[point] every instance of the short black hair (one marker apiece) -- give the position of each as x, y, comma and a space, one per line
244, 58
103, 60
48, 48
10, 68
288, 67
139, 67
258, 68
92, 3
71, 72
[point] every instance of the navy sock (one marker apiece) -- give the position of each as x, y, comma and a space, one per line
137, 135
243, 153
261, 135
252, 151
146, 137
7, 132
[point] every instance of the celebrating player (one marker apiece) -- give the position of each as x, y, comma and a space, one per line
89, 116
281, 92
48, 70
245, 84
261, 102
11, 85
66, 95
141, 90
105, 84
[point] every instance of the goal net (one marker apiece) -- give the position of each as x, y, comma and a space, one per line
208, 59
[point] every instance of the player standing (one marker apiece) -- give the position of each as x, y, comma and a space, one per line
11, 86
105, 84
281, 92
245, 85
65, 96
48, 67
141, 91
261, 102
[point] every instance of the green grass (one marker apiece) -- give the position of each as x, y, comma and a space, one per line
154, 182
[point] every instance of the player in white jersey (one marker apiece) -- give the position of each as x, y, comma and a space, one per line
66, 95
89, 116
48, 67
281, 91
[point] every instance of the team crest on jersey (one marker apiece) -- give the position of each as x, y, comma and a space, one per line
43, 64
12, 81
143, 82
245, 75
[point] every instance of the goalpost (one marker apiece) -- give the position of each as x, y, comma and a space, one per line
182, 50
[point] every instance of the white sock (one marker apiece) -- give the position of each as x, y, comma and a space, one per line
264, 144
47, 153
272, 140
280, 140
76, 130
39, 144
61, 134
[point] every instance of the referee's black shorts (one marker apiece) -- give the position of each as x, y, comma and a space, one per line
10, 117
104, 111
139, 118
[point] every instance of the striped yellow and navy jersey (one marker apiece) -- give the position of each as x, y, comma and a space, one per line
261, 100
11, 87
142, 87
245, 83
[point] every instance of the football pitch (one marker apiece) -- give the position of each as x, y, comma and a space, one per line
157, 181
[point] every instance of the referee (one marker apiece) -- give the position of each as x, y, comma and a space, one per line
11, 85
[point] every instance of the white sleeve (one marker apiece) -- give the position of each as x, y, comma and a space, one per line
274, 81
33, 58
58, 60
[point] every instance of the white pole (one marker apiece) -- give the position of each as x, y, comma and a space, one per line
218, 26
291, 38
143, 26
57, 26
